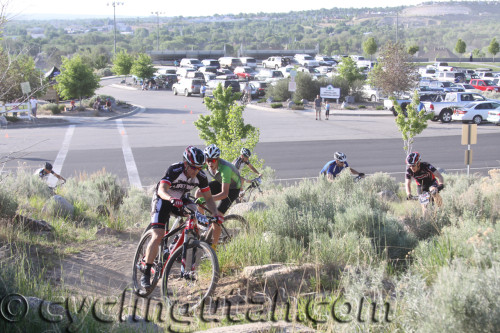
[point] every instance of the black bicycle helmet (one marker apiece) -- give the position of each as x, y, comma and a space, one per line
194, 156
338, 156
245, 152
413, 158
48, 166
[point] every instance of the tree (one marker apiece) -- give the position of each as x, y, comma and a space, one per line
460, 47
413, 49
394, 73
143, 67
493, 48
225, 126
349, 71
122, 63
370, 46
76, 79
411, 124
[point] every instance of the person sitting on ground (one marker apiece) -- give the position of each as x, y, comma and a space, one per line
44, 172
335, 166
244, 158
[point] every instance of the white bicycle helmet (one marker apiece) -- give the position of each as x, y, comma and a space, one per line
212, 151
338, 156
194, 156
245, 152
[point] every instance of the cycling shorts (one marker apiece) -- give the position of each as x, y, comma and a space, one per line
160, 213
216, 187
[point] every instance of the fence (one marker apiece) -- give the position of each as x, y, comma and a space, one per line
21, 110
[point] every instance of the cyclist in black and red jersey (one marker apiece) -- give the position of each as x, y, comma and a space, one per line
244, 158
179, 179
426, 176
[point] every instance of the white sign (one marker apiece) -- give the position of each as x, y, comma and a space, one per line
293, 73
292, 86
329, 92
25, 87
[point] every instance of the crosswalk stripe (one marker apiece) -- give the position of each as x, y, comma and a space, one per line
133, 173
61, 156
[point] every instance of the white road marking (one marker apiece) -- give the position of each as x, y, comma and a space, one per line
133, 173
61, 156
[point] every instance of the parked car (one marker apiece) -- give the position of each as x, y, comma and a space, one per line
210, 63
325, 60
273, 62
467, 87
311, 71
182, 72
245, 72
260, 87
208, 69
494, 116
165, 81
286, 70
213, 84
447, 86
249, 61
484, 85
325, 69
187, 86
229, 62
370, 94
269, 75
209, 76
427, 72
225, 74
475, 112
196, 75
306, 60
452, 76
191, 63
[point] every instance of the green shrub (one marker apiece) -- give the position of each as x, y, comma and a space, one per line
8, 204
379, 107
279, 92
104, 72
276, 105
54, 108
12, 119
135, 207
361, 106
298, 107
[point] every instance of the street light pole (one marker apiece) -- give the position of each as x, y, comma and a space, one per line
158, 29
114, 4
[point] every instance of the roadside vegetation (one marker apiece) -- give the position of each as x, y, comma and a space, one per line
374, 249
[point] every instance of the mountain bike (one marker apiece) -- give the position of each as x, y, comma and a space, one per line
427, 198
188, 264
249, 193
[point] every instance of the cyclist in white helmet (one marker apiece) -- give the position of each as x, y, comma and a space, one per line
334, 167
244, 158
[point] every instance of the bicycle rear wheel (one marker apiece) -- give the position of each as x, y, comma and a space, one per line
188, 288
139, 266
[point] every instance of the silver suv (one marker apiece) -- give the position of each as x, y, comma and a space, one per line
187, 87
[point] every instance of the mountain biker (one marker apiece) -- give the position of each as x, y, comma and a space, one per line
244, 158
334, 167
47, 170
226, 184
426, 176
179, 178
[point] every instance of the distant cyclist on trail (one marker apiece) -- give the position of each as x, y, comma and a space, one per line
225, 187
426, 176
244, 159
44, 172
179, 179
334, 167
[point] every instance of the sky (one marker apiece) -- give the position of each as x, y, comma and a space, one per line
134, 8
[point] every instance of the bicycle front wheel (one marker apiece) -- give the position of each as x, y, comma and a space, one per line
188, 286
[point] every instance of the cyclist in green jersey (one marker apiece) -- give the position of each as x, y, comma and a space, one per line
226, 184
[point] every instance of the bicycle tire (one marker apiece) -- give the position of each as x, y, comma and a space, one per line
189, 293
233, 226
139, 264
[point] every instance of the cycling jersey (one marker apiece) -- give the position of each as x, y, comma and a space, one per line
332, 168
239, 161
180, 184
424, 176
227, 173
42, 173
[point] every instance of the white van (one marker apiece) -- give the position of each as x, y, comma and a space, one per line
230, 62
249, 61
427, 72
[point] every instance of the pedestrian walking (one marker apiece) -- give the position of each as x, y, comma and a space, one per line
317, 106
327, 110
33, 105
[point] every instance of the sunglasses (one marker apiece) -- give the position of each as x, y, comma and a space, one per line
211, 160
194, 168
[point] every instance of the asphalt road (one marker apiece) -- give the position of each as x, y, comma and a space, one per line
140, 148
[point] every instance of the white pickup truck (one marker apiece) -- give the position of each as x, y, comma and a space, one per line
444, 110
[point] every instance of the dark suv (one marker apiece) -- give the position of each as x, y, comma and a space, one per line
212, 85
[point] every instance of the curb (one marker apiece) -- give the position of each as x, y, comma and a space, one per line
355, 113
